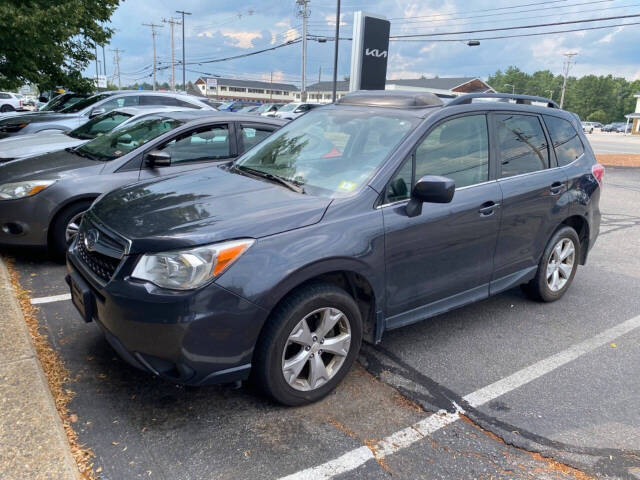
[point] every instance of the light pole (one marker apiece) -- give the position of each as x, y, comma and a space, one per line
513, 88
335, 54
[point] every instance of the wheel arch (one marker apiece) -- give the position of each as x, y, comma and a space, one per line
581, 225
63, 206
352, 276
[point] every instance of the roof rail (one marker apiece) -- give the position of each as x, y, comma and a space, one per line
521, 99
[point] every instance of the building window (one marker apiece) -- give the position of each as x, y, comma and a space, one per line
237, 89
223, 88
256, 90
285, 94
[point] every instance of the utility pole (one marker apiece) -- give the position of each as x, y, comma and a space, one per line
104, 63
153, 36
184, 82
172, 21
271, 87
97, 68
116, 61
567, 66
303, 11
318, 89
335, 53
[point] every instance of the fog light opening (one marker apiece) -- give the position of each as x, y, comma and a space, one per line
12, 229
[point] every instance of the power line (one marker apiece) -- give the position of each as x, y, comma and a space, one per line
249, 54
540, 25
513, 36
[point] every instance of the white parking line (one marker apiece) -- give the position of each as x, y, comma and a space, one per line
53, 298
408, 436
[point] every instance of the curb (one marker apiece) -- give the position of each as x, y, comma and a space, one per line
33, 443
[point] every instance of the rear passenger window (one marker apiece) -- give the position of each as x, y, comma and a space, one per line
252, 136
522, 145
566, 141
457, 149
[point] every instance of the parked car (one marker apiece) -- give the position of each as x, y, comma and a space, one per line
294, 110
22, 146
613, 127
42, 198
249, 109
587, 127
623, 127
268, 109
10, 102
284, 261
236, 105
81, 112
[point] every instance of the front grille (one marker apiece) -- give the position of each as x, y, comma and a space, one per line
103, 266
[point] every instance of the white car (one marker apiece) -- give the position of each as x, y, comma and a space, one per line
10, 102
23, 146
294, 110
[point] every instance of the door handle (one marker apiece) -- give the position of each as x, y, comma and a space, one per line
556, 188
488, 208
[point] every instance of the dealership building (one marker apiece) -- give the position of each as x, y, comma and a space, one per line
321, 92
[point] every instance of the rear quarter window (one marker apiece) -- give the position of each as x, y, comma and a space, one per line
565, 139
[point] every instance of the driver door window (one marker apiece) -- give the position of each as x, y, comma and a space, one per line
210, 143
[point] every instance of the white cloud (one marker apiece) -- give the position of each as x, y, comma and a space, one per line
242, 39
331, 20
278, 76
609, 36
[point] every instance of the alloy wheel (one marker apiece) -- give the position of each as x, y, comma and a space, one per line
73, 227
560, 264
316, 349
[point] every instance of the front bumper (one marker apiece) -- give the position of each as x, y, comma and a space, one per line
25, 221
200, 337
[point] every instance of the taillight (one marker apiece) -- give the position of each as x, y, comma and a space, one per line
598, 172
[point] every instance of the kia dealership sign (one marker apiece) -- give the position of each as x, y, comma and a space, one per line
369, 52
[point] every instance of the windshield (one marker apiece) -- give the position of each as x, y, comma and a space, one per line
84, 103
289, 107
100, 125
61, 101
265, 107
117, 143
330, 151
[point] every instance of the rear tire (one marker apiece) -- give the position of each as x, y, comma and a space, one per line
61, 234
297, 359
6, 108
557, 267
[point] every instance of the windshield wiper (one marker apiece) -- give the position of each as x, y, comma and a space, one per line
79, 153
269, 176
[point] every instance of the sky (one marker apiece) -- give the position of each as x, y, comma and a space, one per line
225, 28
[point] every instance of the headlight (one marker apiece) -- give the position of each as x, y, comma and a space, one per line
189, 269
11, 191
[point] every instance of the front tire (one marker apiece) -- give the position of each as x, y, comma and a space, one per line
557, 267
308, 345
6, 108
65, 228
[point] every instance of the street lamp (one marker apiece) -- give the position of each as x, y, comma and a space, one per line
513, 88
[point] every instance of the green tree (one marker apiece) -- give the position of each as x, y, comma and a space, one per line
49, 43
597, 116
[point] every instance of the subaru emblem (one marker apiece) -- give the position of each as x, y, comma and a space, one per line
90, 239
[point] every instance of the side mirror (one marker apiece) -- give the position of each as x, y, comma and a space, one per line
97, 111
430, 189
158, 158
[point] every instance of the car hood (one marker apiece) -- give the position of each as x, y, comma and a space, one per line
35, 117
36, 144
204, 207
50, 166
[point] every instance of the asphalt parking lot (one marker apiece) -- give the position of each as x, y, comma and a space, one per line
614, 143
505, 388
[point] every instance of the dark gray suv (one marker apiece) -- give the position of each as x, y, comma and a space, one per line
364, 216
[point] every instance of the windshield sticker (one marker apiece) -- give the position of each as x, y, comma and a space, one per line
117, 153
347, 186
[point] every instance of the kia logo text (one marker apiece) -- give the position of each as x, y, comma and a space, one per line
374, 52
